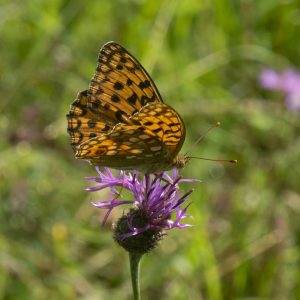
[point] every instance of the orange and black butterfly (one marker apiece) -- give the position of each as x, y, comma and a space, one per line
121, 121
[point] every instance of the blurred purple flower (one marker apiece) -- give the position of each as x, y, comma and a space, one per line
157, 196
287, 82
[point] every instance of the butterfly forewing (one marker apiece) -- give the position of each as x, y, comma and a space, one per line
120, 83
121, 121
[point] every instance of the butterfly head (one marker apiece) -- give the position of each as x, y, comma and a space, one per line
180, 161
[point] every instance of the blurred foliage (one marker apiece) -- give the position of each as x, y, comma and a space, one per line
205, 57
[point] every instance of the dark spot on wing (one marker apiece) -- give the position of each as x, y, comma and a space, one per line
133, 98
115, 98
118, 85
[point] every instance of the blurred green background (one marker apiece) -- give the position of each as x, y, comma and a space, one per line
205, 57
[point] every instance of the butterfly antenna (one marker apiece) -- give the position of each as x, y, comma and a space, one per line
213, 126
233, 161
217, 124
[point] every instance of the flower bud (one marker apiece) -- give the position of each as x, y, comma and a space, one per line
145, 238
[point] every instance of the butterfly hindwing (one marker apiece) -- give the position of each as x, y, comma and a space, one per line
126, 147
163, 122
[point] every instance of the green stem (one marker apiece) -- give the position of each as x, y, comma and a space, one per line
135, 274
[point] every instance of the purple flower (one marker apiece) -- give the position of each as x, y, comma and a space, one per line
270, 79
287, 82
155, 197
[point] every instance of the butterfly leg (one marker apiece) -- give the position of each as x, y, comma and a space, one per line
159, 175
119, 193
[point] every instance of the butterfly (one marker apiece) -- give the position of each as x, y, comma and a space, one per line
121, 121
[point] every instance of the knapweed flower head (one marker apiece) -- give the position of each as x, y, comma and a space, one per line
287, 82
156, 206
